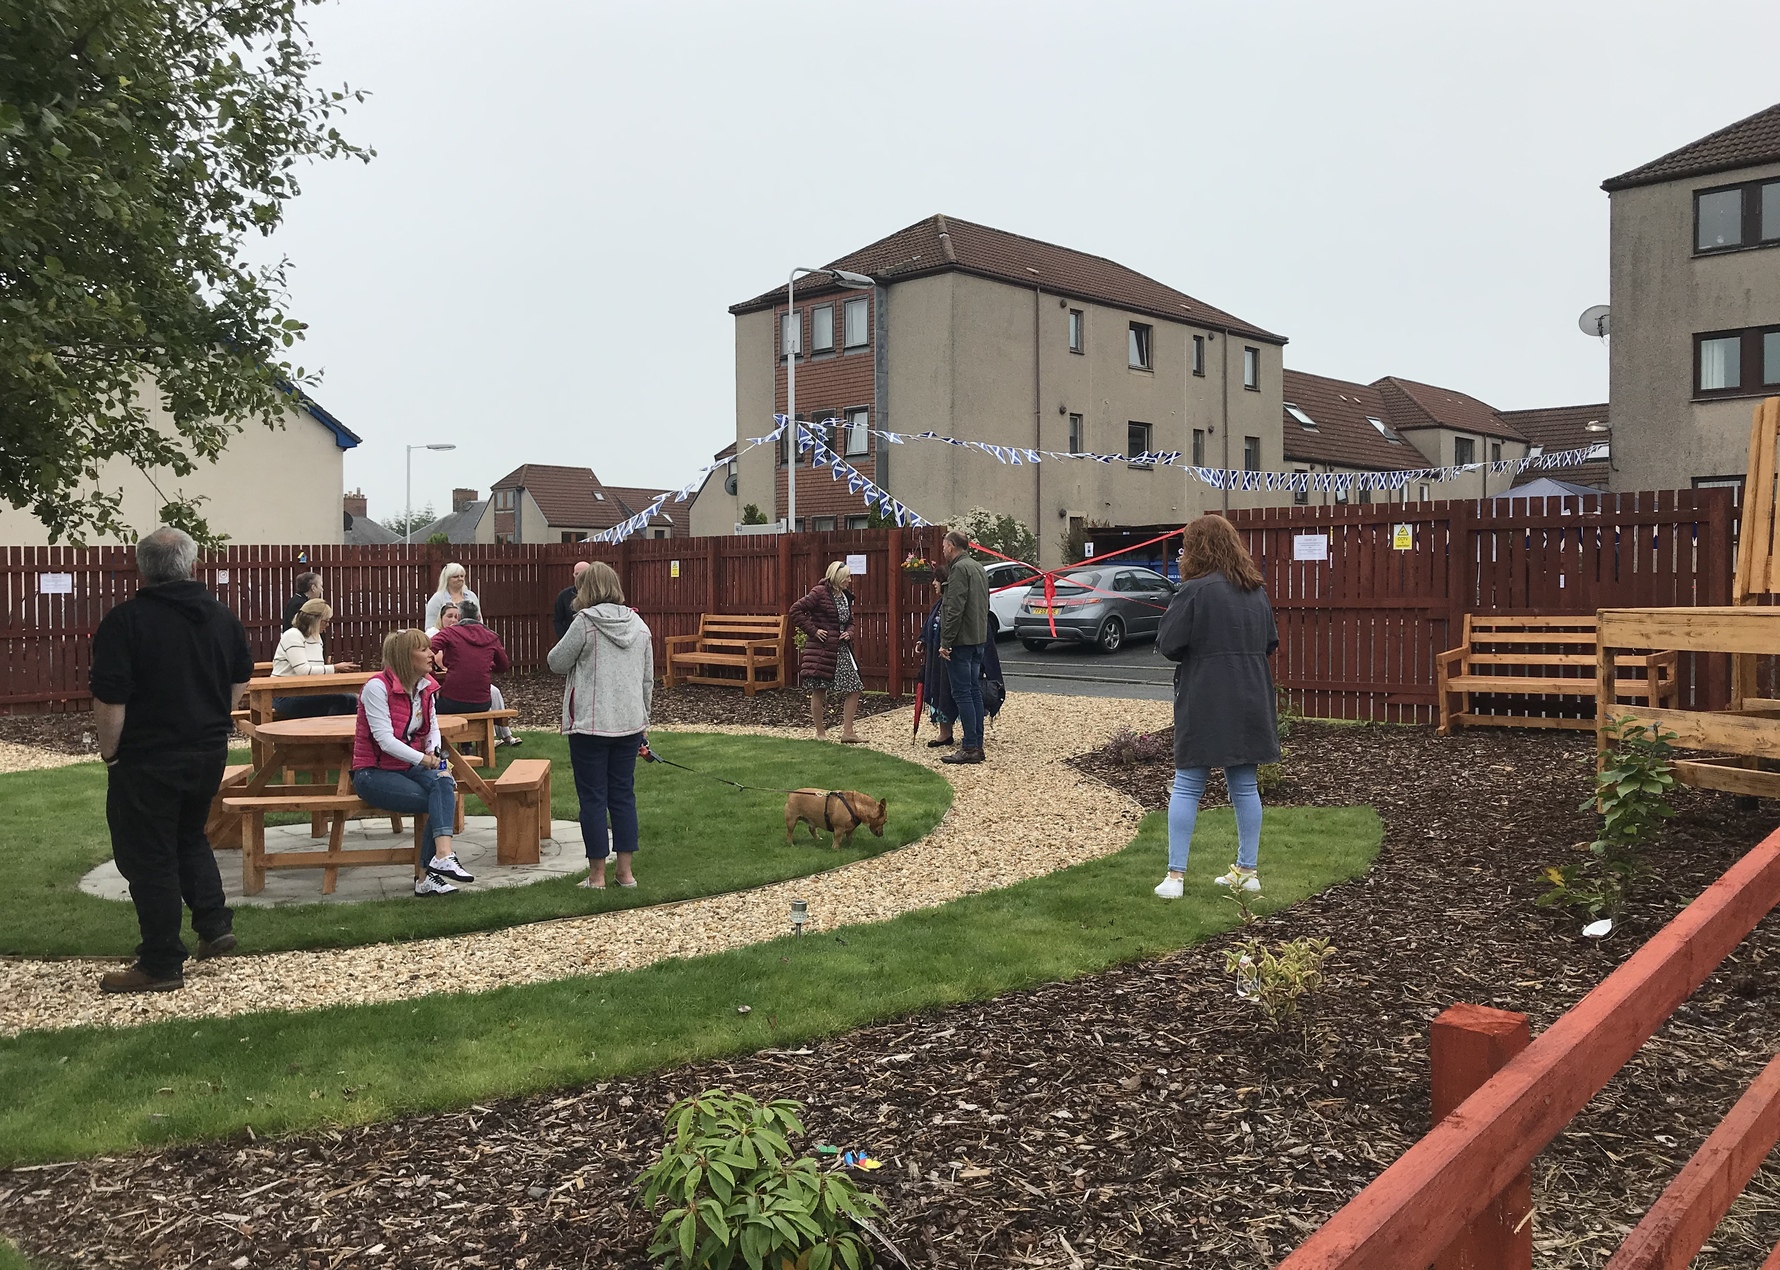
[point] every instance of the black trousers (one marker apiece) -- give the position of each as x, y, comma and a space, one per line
156, 806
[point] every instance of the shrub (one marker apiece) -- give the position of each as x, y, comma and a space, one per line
1127, 748
1276, 979
1631, 795
739, 1196
1003, 534
1270, 778
752, 515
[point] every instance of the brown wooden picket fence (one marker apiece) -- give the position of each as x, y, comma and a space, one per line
52, 598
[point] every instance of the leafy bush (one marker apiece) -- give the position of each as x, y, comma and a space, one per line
1631, 794
740, 1197
1270, 778
1276, 979
752, 515
1004, 534
1127, 748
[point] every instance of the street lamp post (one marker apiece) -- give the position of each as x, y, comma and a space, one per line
852, 281
408, 497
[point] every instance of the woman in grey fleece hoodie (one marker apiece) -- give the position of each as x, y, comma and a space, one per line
609, 661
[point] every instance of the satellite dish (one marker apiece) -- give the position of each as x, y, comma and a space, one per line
1594, 321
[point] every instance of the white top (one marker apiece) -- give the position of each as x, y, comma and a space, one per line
299, 654
437, 604
373, 699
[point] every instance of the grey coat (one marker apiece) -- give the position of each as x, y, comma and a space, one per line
1223, 688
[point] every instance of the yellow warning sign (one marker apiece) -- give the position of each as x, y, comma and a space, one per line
673, 568
1402, 538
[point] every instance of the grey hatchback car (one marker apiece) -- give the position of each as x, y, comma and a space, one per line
1102, 606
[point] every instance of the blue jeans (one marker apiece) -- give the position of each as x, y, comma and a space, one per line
1183, 813
416, 790
606, 782
964, 671
314, 707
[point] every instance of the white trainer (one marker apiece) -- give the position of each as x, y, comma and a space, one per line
1170, 888
433, 885
1246, 879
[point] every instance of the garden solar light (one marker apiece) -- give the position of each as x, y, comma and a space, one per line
800, 915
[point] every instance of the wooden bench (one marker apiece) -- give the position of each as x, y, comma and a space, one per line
1541, 657
521, 810
255, 860
752, 643
482, 725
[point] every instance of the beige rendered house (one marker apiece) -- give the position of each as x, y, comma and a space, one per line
984, 335
272, 485
1695, 291
548, 502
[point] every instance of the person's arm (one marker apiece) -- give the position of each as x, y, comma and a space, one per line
108, 718
1171, 635
433, 607
502, 663
374, 701
951, 615
112, 682
648, 675
567, 652
434, 743
1272, 632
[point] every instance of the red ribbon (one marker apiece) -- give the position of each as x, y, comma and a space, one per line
1050, 575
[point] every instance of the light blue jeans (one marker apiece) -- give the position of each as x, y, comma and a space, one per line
1183, 813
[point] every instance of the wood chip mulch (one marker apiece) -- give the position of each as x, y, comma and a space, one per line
1141, 1117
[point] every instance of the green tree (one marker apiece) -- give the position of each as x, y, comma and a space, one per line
752, 515
1004, 534
141, 142
400, 523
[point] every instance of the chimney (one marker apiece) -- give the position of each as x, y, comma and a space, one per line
354, 503
462, 498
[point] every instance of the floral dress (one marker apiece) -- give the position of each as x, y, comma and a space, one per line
846, 670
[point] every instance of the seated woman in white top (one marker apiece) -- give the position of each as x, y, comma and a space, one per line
454, 588
299, 653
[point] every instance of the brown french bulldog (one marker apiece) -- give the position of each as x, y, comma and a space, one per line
838, 812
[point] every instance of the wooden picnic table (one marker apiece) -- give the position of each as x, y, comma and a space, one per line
261, 689
325, 744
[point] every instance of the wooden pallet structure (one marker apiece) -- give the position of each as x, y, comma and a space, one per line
1748, 732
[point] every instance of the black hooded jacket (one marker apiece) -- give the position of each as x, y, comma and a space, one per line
172, 655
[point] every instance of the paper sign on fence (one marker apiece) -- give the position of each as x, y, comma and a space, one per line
1310, 547
1087, 551
55, 584
856, 566
1402, 538
222, 577
673, 568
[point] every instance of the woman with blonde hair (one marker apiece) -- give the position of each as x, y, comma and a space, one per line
1219, 628
398, 758
299, 653
454, 588
825, 616
608, 658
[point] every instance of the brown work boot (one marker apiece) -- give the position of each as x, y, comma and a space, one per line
136, 979
964, 756
223, 943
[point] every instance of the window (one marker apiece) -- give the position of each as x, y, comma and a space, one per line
504, 500
1075, 434
1199, 355
1198, 447
570, 537
1421, 493
1301, 496
1251, 369
1745, 215
790, 334
859, 522
1341, 497
822, 524
858, 432
501, 540
1495, 451
1140, 346
1464, 450
1304, 421
1251, 454
1534, 451
1137, 441
1730, 362
822, 329
1384, 430
856, 323
1365, 496
1078, 334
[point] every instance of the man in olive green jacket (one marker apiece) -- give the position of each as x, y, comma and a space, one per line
963, 630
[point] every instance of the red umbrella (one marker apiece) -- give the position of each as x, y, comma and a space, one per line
920, 692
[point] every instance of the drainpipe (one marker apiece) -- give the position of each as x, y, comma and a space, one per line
1038, 502
1226, 490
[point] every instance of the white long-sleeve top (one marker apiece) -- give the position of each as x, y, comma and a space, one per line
436, 605
299, 654
373, 699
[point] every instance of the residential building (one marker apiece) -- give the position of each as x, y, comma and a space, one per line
984, 335
547, 502
463, 523
1559, 429
715, 509
360, 530
1695, 293
271, 485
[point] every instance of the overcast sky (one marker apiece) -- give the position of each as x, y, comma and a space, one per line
568, 195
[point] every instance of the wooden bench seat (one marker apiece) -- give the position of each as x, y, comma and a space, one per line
482, 725
755, 644
1541, 657
337, 808
522, 810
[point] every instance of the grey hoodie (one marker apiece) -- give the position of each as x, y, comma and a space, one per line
609, 661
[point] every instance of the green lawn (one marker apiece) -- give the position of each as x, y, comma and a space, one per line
11, 1258
90, 1091
699, 838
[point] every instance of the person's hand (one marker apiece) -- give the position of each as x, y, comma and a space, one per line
847, 636
345, 665
920, 647
946, 653
822, 637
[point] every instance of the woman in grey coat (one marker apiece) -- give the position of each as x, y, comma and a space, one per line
1219, 627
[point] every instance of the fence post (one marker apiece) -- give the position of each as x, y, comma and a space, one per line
785, 583
1468, 1045
893, 576
711, 589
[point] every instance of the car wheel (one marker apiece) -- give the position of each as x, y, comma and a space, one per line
1035, 645
1112, 635
994, 628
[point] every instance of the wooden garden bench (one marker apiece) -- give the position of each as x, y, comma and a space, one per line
521, 810
482, 725
255, 860
752, 643
1540, 657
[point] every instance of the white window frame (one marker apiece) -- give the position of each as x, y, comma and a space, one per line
1251, 368
1140, 346
850, 308
1078, 331
817, 315
858, 428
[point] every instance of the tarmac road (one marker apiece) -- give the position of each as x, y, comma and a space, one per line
1074, 671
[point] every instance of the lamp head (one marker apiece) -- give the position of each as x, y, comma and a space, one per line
857, 281
1597, 425
442, 447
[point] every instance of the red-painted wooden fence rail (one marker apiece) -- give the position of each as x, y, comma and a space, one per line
1448, 1189
1359, 631
46, 632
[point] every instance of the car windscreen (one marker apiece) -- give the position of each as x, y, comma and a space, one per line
1079, 583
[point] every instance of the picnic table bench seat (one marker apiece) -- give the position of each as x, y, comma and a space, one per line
522, 810
255, 860
482, 724
1541, 657
752, 643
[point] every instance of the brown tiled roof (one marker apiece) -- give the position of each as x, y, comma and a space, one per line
1741, 145
634, 498
1561, 428
941, 243
1414, 405
569, 497
1343, 437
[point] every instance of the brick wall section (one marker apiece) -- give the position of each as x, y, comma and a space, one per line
828, 384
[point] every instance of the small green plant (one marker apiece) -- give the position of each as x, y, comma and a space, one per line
1285, 713
1270, 778
1276, 979
1631, 795
1127, 748
741, 1198
752, 515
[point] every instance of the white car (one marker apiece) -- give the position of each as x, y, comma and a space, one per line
1008, 581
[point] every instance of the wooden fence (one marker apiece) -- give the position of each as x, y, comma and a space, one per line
1359, 629
52, 598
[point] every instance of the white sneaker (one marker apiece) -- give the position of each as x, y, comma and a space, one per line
448, 867
1238, 877
430, 885
1170, 888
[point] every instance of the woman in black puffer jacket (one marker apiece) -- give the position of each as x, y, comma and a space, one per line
825, 616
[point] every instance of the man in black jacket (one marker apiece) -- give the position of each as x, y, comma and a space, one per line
308, 588
564, 612
168, 667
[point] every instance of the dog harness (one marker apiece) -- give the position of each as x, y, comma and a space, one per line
828, 820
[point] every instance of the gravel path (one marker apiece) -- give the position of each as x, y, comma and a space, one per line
1024, 813
31, 758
